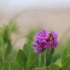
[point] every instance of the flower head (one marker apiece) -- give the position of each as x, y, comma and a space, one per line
45, 40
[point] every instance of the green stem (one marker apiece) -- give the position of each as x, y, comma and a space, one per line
47, 56
44, 57
50, 53
39, 60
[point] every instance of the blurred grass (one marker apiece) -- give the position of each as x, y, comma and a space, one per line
6, 47
31, 35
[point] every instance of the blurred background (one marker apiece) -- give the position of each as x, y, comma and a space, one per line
35, 15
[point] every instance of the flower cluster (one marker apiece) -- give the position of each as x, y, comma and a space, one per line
45, 40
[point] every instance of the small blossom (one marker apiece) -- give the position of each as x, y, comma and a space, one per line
45, 40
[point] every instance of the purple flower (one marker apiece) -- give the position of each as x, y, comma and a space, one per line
45, 40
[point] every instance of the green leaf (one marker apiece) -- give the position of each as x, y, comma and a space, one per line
21, 58
65, 55
5, 34
66, 64
5, 66
58, 62
12, 55
27, 49
45, 68
56, 56
49, 56
31, 60
15, 66
8, 48
54, 67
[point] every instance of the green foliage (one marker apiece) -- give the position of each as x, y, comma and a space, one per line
45, 68
58, 62
11, 66
49, 56
54, 67
21, 58
31, 60
42, 58
68, 44
13, 27
66, 64
8, 48
65, 55
56, 56
6, 45
27, 49
14, 66
26, 59
5, 66
30, 36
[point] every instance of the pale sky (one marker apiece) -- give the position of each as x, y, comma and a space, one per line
15, 6
34, 3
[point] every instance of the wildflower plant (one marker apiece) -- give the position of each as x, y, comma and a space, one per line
40, 55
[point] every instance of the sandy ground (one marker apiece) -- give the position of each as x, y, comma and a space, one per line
57, 20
